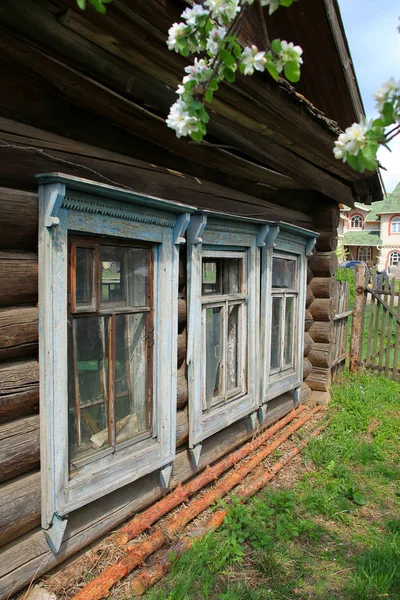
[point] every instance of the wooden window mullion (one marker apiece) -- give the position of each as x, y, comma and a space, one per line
111, 381
76, 386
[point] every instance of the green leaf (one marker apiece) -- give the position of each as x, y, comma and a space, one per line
286, 3
292, 71
355, 163
370, 150
272, 70
388, 113
229, 75
276, 46
213, 85
237, 50
81, 4
203, 115
367, 163
98, 6
359, 499
196, 105
209, 96
227, 58
197, 136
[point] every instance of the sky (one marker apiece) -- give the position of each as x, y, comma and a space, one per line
371, 30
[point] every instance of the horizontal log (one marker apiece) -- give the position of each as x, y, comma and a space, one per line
18, 277
18, 332
307, 368
319, 379
328, 216
320, 397
29, 557
19, 506
327, 240
320, 355
182, 337
182, 427
19, 447
308, 320
305, 392
308, 343
324, 287
323, 264
322, 309
309, 296
182, 387
18, 219
322, 331
19, 389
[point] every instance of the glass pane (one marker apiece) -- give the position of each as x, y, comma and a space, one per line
124, 276
222, 275
132, 408
283, 273
232, 351
214, 354
276, 332
84, 277
289, 332
88, 385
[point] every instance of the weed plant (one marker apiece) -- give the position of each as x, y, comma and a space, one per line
334, 535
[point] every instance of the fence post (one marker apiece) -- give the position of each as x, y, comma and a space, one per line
358, 318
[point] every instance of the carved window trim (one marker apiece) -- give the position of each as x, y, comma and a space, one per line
68, 204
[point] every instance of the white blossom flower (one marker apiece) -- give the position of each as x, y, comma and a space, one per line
388, 92
191, 14
199, 71
221, 8
290, 52
352, 140
252, 59
179, 119
215, 37
175, 32
273, 5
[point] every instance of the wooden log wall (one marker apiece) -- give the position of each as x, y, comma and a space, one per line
321, 311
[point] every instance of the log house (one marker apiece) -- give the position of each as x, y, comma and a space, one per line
86, 95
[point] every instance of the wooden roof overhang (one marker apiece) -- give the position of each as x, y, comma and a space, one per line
264, 138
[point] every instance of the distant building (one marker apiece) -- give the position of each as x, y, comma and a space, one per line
372, 233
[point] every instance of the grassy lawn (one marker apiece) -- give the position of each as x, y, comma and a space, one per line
332, 531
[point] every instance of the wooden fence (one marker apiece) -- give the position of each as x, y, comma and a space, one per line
375, 335
340, 326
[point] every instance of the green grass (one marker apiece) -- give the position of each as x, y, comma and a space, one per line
334, 535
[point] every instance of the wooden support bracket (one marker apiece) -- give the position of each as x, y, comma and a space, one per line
55, 533
262, 412
165, 476
262, 235
182, 222
54, 204
296, 396
310, 245
253, 420
196, 453
271, 236
196, 227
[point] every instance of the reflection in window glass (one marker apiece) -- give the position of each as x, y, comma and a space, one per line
289, 331
276, 323
283, 273
124, 276
84, 276
130, 376
232, 358
214, 354
221, 275
110, 357
90, 363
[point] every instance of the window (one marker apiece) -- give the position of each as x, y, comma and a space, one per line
356, 222
224, 302
108, 312
283, 283
223, 262
284, 308
364, 253
110, 347
394, 259
395, 225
